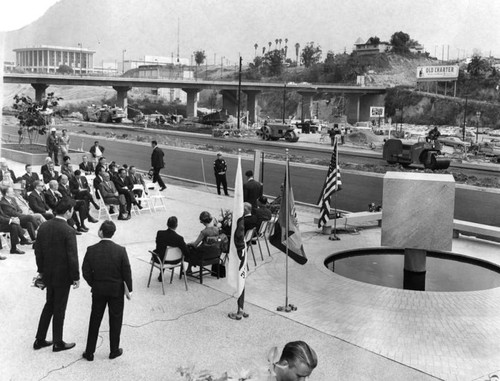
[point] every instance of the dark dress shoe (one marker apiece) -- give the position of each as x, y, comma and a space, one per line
139, 206
97, 207
121, 218
88, 357
162, 189
115, 354
92, 220
16, 251
39, 344
129, 216
26, 242
62, 346
82, 230
111, 210
85, 228
77, 232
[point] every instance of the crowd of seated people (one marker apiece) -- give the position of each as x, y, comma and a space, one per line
29, 200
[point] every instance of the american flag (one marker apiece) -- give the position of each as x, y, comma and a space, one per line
333, 183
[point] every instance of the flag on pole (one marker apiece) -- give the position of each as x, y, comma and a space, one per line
279, 238
236, 272
333, 183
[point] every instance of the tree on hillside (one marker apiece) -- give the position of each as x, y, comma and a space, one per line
478, 66
199, 58
311, 54
373, 40
400, 42
64, 69
273, 62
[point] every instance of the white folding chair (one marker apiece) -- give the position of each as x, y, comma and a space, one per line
248, 240
263, 233
144, 199
5, 240
103, 208
173, 258
157, 199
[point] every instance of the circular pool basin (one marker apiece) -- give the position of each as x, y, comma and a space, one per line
445, 271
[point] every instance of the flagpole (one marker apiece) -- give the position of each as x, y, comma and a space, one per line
334, 237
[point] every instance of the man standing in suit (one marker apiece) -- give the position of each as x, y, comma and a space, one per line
106, 268
53, 146
252, 189
96, 151
29, 178
36, 201
157, 163
169, 237
57, 261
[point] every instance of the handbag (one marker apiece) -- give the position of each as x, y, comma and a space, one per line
221, 268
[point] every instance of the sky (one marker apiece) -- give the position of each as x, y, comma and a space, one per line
455, 27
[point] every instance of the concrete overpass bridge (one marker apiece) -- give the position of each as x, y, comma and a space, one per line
360, 98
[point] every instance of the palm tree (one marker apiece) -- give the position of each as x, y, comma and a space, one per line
269, 43
256, 46
286, 46
297, 47
263, 50
276, 46
280, 42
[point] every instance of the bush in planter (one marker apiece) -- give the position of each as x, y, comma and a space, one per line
34, 117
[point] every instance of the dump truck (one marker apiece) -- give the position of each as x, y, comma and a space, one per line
426, 153
276, 131
104, 114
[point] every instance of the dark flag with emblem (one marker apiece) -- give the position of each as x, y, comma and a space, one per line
332, 185
291, 244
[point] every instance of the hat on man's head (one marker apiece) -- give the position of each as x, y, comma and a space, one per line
53, 129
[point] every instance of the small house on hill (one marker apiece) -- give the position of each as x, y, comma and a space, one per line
370, 47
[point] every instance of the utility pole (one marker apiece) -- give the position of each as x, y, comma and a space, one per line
239, 92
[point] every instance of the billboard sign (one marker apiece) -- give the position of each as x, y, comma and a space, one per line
377, 112
437, 73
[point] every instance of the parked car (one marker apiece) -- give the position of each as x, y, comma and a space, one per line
487, 149
494, 132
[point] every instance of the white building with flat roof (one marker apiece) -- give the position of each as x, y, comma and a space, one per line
47, 59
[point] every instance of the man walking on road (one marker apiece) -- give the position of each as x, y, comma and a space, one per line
106, 268
220, 169
57, 261
157, 163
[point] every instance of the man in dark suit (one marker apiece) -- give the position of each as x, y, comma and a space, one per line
250, 221
12, 225
52, 198
252, 189
81, 206
135, 178
157, 163
124, 187
36, 201
106, 268
50, 174
101, 164
79, 187
45, 167
262, 212
29, 178
10, 208
169, 237
86, 166
111, 196
57, 261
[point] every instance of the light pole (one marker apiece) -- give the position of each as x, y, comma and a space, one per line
123, 61
478, 114
221, 65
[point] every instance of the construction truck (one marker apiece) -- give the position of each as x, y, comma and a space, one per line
426, 153
104, 114
276, 131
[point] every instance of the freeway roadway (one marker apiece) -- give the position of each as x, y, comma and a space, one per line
359, 188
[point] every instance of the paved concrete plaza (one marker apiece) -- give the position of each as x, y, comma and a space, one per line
360, 331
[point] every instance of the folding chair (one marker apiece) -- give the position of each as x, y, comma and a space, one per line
103, 207
144, 200
249, 235
156, 197
4, 240
173, 258
263, 233
210, 255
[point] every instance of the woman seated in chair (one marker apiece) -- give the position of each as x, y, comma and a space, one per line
206, 245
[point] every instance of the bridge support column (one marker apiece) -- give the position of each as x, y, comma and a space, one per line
307, 104
39, 90
358, 106
121, 96
252, 104
192, 102
230, 101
